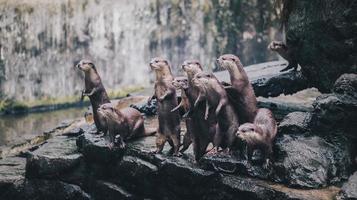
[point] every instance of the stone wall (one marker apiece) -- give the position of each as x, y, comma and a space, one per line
41, 40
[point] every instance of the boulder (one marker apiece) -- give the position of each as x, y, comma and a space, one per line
52, 189
12, 177
56, 157
309, 162
346, 84
95, 148
284, 83
349, 189
296, 123
334, 113
233, 164
323, 34
110, 191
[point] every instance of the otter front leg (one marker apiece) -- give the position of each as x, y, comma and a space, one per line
90, 93
207, 110
160, 142
167, 94
199, 99
177, 107
220, 105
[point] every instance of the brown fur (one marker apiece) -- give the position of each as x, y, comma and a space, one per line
94, 89
125, 124
285, 52
215, 96
181, 83
260, 134
169, 122
203, 130
246, 103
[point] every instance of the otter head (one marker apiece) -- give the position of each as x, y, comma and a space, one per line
192, 67
229, 61
107, 111
202, 79
85, 65
180, 82
277, 46
246, 131
160, 65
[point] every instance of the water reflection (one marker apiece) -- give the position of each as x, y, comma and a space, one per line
15, 129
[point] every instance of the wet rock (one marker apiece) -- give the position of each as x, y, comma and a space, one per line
349, 189
74, 132
285, 83
310, 162
296, 123
48, 189
110, 191
281, 108
148, 108
56, 157
325, 46
232, 164
95, 148
346, 84
12, 177
244, 188
136, 174
335, 113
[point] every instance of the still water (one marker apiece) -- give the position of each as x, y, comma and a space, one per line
16, 129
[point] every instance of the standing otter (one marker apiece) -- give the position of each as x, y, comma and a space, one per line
181, 83
165, 93
123, 125
215, 96
203, 130
285, 52
246, 102
260, 134
94, 89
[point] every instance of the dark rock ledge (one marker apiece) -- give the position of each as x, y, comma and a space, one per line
83, 167
313, 156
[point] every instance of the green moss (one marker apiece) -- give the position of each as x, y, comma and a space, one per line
7, 104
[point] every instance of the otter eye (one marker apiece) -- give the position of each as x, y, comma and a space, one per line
223, 58
156, 61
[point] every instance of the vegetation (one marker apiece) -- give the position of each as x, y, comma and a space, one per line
11, 105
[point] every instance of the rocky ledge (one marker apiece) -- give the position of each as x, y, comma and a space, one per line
314, 157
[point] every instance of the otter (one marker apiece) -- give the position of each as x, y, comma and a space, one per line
215, 96
285, 52
165, 93
203, 130
122, 125
181, 83
260, 134
245, 101
94, 89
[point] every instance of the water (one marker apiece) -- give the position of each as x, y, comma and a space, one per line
16, 129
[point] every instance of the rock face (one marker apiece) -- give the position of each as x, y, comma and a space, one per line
296, 123
323, 32
285, 83
121, 37
337, 112
309, 161
349, 189
312, 146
